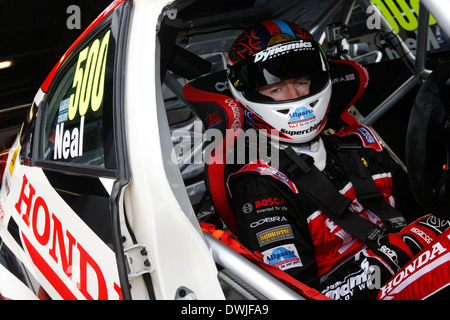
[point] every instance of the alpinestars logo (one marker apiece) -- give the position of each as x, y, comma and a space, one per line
282, 48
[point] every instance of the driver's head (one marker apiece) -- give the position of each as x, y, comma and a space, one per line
279, 73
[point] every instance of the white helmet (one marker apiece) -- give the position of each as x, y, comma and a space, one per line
271, 52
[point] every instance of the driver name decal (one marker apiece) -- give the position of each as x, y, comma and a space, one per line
68, 143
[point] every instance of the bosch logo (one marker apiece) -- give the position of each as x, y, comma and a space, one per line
269, 202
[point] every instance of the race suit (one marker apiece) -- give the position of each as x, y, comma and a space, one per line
276, 219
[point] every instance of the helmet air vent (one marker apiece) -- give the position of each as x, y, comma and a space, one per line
312, 104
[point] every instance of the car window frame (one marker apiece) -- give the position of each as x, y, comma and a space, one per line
91, 170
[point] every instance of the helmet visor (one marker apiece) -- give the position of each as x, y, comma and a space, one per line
281, 62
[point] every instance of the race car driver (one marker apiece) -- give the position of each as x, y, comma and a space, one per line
294, 213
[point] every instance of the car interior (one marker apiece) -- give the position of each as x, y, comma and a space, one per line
198, 41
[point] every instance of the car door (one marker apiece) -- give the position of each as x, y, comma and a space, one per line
58, 204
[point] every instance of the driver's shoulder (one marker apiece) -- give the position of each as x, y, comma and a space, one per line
358, 134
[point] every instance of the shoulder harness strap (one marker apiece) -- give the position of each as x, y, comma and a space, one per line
366, 190
316, 186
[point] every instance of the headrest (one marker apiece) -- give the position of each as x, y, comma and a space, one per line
349, 81
214, 105
213, 102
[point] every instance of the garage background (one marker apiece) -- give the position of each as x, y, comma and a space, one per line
34, 35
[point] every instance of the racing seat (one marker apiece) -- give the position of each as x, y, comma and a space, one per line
215, 106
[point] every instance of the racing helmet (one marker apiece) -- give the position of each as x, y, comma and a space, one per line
271, 52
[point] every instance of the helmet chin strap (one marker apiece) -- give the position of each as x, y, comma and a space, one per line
314, 148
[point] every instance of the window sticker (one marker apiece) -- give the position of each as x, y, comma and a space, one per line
89, 80
77, 123
68, 143
63, 110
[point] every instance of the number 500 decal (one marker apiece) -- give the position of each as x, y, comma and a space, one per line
90, 80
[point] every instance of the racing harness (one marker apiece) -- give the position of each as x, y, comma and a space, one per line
317, 187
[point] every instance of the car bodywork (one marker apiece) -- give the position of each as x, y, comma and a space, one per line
99, 209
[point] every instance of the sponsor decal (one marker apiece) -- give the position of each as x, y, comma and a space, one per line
260, 222
213, 119
2, 213
221, 86
300, 117
300, 132
68, 265
248, 115
366, 277
13, 160
283, 257
415, 269
284, 48
347, 77
279, 38
274, 234
269, 202
422, 234
247, 208
278, 175
365, 134
236, 109
63, 112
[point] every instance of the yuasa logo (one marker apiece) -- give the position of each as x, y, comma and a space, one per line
269, 202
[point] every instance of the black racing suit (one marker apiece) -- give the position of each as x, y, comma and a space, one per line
276, 219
